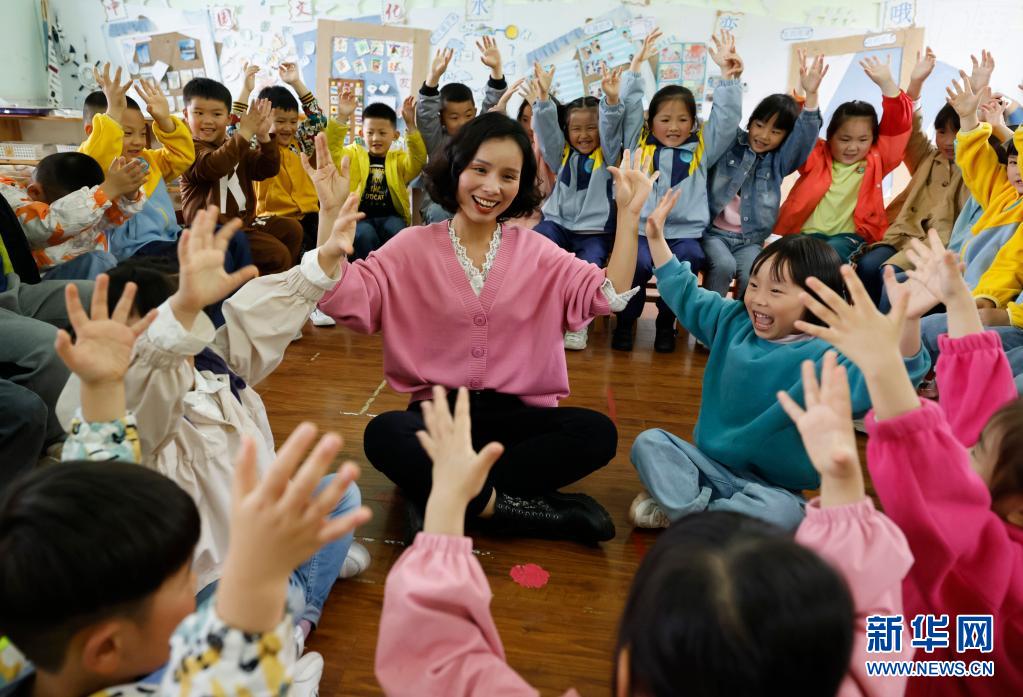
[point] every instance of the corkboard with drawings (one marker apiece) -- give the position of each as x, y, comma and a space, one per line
382, 63
181, 53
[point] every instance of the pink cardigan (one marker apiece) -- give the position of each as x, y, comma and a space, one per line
438, 639
436, 331
968, 560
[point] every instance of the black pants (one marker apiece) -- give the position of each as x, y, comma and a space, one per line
544, 448
310, 227
23, 418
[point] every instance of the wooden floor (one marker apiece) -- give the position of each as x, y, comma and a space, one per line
557, 637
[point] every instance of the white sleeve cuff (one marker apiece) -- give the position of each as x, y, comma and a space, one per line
167, 334
313, 273
617, 301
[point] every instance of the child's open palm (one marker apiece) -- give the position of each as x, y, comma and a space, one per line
980, 77
936, 269
202, 279
441, 60
289, 73
924, 66
342, 235
993, 111
530, 91
113, 90
102, 349
965, 100
826, 427
156, 102
458, 469
251, 71
611, 82
879, 72
278, 522
722, 51
655, 221
408, 112
859, 330
502, 104
331, 184
346, 104
544, 80
633, 181
490, 54
647, 51
810, 76
124, 178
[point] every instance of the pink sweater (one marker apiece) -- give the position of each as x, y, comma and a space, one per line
968, 560
438, 639
436, 331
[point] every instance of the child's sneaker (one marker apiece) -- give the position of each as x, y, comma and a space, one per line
576, 341
356, 562
646, 513
308, 671
320, 319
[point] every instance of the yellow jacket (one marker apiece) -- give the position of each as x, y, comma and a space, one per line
106, 143
291, 193
400, 166
1002, 283
986, 178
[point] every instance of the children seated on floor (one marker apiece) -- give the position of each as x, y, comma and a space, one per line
69, 208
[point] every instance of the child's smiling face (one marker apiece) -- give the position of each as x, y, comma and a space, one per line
672, 124
852, 140
583, 130
772, 302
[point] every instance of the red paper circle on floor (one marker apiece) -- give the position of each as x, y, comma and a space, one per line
530, 575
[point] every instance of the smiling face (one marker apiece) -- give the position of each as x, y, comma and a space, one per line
945, 141
583, 133
207, 119
765, 136
852, 140
1012, 170
134, 126
378, 135
285, 125
454, 115
772, 301
490, 182
526, 119
672, 124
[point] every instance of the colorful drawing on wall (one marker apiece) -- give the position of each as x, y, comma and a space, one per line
684, 64
381, 69
568, 81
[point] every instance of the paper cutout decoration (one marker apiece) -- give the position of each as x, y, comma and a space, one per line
392, 11
223, 18
530, 575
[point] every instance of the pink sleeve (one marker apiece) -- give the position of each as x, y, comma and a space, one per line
437, 637
894, 130
922, 475
974, 374
580, 283
357, 299
873, 557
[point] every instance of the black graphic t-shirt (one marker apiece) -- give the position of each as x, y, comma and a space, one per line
376, 197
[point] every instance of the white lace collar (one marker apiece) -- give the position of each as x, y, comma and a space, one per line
477, 277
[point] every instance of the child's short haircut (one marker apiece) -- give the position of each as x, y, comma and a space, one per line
667, 94
96, 103
783, 107
799, 257
442, 173
86, 541
455, 92
947, 118
205, 88
64, 172
280, 97
154, 276
853, 109
380, 111
738, 606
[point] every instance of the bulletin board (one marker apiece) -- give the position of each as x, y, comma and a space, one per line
611, 48
172, 59
391, 62
683, 63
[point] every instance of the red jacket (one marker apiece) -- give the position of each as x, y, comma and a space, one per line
883, 157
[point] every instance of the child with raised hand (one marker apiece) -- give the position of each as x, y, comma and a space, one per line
948, 474
190, 386
379, 172
579, 143
92, 620
289, 194
68, 210
442, 111
437, 635
745, 184
746, 455
935, 195
115, 127
838, 196
683, 151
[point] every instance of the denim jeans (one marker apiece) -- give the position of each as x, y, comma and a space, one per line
373, 233
593, 248
729, 255
310, 584
82, 268
1015, 357
933, 326
23, 419
685, 249
683, 481
870, 269
845, 243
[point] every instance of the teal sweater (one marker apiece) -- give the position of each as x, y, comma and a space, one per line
741, 424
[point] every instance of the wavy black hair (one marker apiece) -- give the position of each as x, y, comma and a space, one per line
442, 173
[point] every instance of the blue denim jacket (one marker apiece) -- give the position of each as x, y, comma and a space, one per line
759, 177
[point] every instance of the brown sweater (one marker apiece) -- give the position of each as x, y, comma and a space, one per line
932, 199
200, 185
